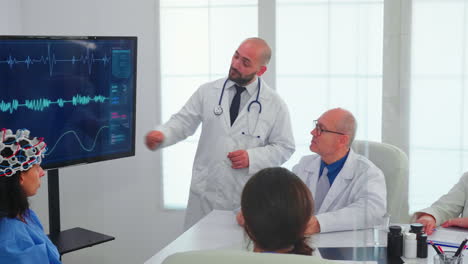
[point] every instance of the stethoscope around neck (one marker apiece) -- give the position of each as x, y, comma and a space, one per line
218, 110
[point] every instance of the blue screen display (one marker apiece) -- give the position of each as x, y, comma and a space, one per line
79, 93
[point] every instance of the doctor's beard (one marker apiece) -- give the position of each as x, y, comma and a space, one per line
240, 80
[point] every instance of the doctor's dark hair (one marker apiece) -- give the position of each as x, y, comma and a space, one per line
277, 207
13, 200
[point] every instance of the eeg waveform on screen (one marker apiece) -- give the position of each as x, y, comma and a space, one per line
50, 59
72, 132
42, 103
76, 92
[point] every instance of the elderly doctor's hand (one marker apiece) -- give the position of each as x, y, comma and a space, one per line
460, 222
313, 226
153, 139
240, 219
239, 159
428, 221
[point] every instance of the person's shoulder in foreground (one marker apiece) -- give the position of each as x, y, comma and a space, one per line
239, 256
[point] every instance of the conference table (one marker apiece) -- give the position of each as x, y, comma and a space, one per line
219, 230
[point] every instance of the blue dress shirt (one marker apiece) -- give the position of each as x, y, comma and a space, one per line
334, 168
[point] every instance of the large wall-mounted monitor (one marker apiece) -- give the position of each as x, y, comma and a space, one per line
79, 93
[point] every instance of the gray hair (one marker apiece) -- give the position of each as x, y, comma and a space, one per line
347, 125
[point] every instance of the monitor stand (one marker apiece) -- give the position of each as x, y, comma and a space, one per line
71, 239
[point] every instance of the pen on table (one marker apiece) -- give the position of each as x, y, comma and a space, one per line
441, 250
435, 248
460, 248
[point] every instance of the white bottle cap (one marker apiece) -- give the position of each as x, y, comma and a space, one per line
411, 236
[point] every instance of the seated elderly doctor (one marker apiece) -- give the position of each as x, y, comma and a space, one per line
348, 189
447, 210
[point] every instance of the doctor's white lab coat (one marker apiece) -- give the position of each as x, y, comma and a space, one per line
357, 198
215, 185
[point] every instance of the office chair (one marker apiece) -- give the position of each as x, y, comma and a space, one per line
394, 164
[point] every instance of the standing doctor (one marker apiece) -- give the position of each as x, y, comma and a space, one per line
245, 127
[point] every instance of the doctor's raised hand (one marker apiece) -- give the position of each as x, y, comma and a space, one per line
153, 139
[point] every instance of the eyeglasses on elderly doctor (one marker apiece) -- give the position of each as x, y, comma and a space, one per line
320, 130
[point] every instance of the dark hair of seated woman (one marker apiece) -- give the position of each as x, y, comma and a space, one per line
277, 206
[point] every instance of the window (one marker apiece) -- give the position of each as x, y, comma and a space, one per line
438, 114
330, 55
198, 39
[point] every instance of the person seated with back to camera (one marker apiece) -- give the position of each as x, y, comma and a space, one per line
276, 207
447, 210
22, 237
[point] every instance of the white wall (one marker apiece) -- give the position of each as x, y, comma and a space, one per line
10, 20
122, 197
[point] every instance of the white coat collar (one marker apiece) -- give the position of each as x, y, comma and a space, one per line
341, 182
251, 88
313, 167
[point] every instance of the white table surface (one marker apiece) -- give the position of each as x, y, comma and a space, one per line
219, 229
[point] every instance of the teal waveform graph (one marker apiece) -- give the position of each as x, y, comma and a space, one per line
42, 103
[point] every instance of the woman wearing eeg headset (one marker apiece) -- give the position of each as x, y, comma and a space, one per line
22, 238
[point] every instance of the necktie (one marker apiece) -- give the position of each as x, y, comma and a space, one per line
323, 185
234, 110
